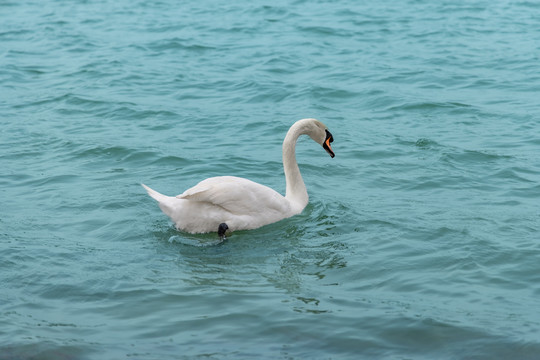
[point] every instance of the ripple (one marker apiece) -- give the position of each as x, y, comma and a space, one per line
420, 239
178, 44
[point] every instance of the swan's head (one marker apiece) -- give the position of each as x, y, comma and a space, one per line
320, 134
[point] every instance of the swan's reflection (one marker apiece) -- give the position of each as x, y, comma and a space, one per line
288, 260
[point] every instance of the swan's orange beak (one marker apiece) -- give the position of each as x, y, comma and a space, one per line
326, 144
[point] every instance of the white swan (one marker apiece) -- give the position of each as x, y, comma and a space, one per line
233, 203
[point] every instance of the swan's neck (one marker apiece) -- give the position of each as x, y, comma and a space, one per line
296, 191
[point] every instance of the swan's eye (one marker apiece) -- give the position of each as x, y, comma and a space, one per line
329, 136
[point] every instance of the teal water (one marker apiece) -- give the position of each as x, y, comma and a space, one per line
421, 239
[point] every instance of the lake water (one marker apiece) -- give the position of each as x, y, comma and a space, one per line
421, 239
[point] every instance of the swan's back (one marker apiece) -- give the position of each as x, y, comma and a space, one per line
238, 196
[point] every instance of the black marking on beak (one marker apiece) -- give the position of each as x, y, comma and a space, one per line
326, 144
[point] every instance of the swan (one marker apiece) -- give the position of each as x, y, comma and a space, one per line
229, 203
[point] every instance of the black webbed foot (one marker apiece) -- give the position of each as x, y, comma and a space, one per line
222, 228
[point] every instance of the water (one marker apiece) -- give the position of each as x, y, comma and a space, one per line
421, 237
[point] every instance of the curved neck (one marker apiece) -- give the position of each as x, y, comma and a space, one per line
296, 191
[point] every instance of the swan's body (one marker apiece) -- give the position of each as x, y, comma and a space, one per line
240, 203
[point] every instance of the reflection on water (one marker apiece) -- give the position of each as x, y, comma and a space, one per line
274, 254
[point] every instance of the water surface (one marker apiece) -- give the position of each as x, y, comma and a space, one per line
421, 237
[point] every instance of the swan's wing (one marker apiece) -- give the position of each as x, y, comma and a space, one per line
237, 195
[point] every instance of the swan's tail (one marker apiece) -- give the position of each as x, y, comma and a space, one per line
167, 204
154, 194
